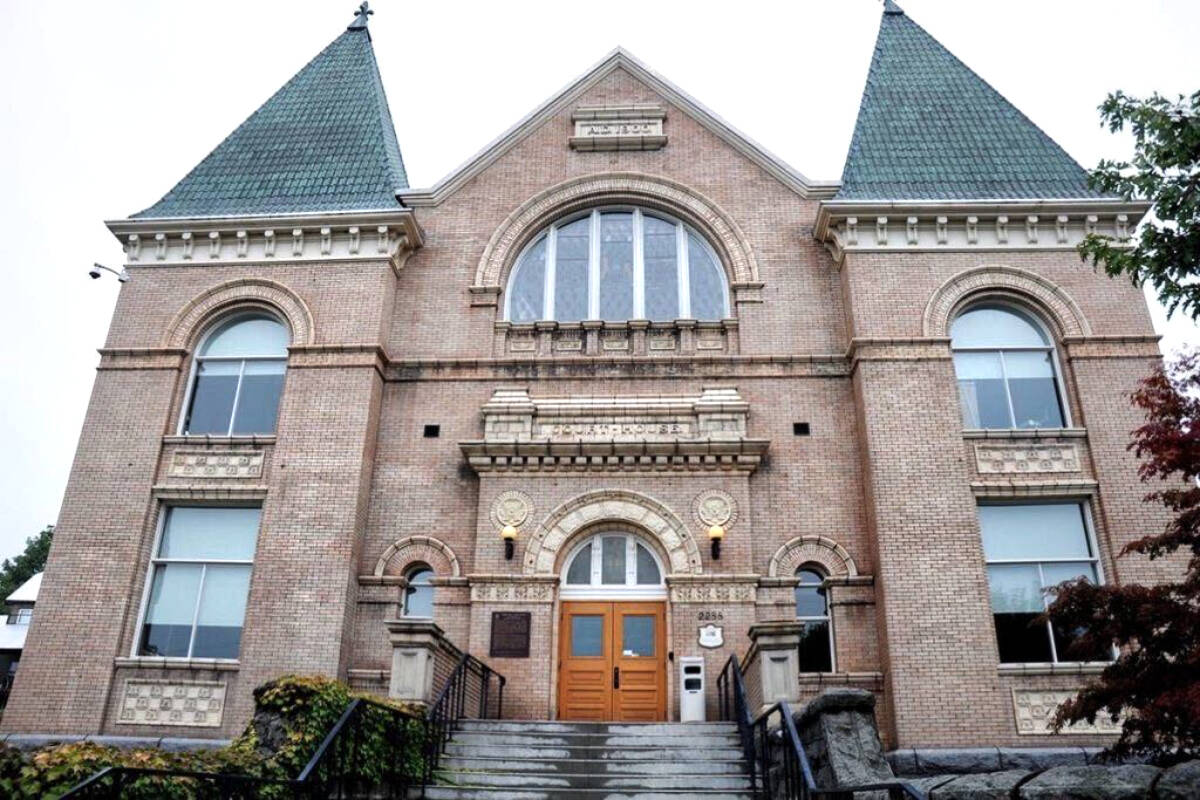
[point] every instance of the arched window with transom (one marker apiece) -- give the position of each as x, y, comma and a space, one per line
617, 264
418, 596
237, 377
613, 565
1007, 370
812, 611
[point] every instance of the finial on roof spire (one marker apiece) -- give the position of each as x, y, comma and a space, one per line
360, 17
891, 8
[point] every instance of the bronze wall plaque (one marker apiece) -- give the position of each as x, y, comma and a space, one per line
510, 634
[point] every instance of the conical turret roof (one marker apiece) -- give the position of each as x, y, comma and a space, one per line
324, 142
929, 128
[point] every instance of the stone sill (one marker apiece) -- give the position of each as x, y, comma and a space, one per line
194, 664
1025, 433
220, 441
808, 679
1062, 668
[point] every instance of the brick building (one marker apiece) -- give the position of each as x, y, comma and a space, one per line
622, 389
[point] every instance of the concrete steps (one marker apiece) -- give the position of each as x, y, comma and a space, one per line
512, 760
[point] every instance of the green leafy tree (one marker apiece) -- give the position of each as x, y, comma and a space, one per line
17, 570
1165, 171
1154, 683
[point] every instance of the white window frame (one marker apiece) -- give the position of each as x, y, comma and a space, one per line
161, 526
828, 617
408, 573
630, 590
1085, 506
1051, 348
217, 324
682, 266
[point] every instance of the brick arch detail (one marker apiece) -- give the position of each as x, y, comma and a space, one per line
805, 549
652, 191
191, 320
426, 549
1046, 294
586, 511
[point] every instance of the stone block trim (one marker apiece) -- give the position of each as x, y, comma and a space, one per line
664, 194
412, 549
1053, 299
826, 552
189, 323
607, 505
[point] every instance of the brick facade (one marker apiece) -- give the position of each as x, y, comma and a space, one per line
353, 492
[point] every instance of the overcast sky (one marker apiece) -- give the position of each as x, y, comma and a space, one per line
105, 105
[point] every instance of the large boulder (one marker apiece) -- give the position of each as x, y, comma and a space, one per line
1180, 782
841, 740
1125, 782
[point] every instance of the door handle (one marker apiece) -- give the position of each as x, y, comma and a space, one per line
616, 677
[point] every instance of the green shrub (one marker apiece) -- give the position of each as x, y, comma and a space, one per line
293, 714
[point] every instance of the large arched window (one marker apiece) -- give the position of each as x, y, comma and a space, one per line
613, 565
1006, 370
238, 377
418, 597
617, 265
812, 610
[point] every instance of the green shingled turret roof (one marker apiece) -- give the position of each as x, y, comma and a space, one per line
931, 129
324, 142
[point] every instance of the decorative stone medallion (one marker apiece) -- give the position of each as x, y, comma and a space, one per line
711, 636
216, 464
511, 508
193, 704
715, 507
1003, 459
1034, 708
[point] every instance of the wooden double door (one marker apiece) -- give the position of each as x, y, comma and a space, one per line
612, 661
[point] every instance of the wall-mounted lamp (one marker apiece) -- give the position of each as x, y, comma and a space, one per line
94, 272
509, 534
715, 534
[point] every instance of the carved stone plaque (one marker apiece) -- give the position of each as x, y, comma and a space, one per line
193, 704
216, 464
1006, 459
1035, 708
510, 634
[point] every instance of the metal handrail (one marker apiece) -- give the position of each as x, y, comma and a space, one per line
794, 771
331, 771
450, 706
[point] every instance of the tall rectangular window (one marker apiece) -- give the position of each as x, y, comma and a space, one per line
199, 582
1030, 548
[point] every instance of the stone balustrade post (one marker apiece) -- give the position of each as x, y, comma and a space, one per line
778, 644
414, 653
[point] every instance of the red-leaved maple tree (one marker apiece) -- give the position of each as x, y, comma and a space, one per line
1154, 683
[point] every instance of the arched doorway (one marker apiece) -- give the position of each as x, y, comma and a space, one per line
612, 630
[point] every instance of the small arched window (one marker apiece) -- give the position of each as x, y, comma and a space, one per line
237, 377
1005, 363
617, 265
812, 611
418, 597
613, 564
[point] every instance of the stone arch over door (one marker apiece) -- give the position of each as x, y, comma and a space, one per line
811, 550
607, 505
